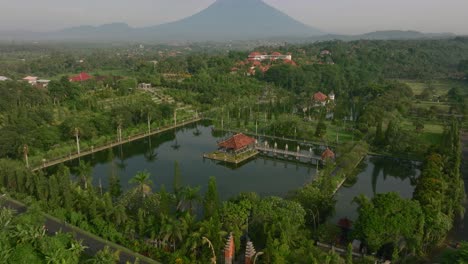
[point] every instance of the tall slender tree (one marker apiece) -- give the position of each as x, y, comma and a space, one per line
211, 200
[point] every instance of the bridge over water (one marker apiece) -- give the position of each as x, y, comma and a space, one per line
298, 154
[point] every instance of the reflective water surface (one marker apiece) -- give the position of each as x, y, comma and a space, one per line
263, 175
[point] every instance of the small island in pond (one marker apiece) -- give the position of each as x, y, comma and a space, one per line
235, 149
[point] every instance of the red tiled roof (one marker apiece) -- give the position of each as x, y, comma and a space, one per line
293, 63
265, 68
30, 78
253, 54
80, 77
256, 63
320, 97
328, 154
237, 142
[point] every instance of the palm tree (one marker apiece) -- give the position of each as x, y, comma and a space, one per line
25, 234
119, 214
56, 256
143, 182
206, 240
212, 229
189, 195
193, 243
6, 216
105, 256
77, 248
84, 172
5, 248
172, 231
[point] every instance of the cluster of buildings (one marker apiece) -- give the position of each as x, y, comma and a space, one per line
325, 58
257, 56
43, 83
262, 62
240, 143
35, 81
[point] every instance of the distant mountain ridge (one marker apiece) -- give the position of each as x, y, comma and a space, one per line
224, 20
381, 35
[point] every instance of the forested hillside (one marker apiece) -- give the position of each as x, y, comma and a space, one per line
404, 99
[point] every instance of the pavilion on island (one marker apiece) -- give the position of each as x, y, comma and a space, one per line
328, 154
237, 144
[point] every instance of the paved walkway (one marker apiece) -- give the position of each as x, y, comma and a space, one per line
49, 163
93, 242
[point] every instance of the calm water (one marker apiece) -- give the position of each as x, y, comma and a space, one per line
378, 175
263, 175
158, 154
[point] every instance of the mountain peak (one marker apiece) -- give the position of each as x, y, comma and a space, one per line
236, 20
223, 20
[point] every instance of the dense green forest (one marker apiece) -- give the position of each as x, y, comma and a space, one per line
396, 98
23, 239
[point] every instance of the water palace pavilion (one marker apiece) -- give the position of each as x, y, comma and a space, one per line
235, 149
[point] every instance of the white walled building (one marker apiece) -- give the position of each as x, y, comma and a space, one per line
30, 79
257, 56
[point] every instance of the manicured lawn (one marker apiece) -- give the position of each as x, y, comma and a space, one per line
441, 86
417, 87
445, 107
431, 134
343, 135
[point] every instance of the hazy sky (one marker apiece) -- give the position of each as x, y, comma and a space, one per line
334, 16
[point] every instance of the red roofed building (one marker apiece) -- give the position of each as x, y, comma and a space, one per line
237, 143
290, 62
80, 77
255, 56
328, 154
265, 68
320, 97
256, 63
31, 79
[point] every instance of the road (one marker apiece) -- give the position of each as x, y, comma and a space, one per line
89, 240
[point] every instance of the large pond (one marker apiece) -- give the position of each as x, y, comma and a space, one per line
263, 175
158, 154
378, 175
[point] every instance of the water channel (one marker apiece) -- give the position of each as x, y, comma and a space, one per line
263, 175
